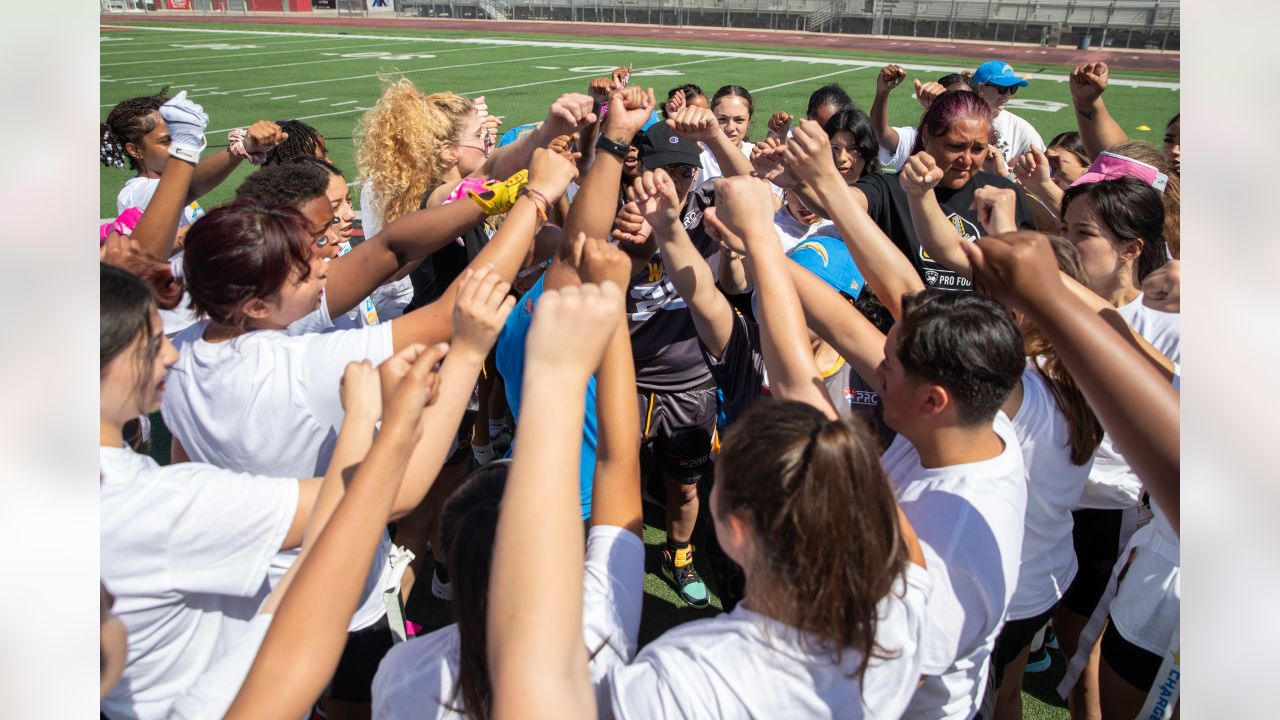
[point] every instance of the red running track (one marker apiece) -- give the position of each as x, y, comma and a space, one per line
1018, 55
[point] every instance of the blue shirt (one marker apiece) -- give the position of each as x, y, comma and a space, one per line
509, 357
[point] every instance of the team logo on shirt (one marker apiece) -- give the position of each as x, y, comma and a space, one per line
967, 230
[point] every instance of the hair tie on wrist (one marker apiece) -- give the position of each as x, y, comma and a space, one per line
236, 148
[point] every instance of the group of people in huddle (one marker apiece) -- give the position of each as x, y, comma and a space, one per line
912, 389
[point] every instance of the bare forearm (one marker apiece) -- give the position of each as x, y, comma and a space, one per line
158, 226
211, 171
1136, 404
885, 135
615, 495
839, 323
535, 610
937, 235
733, 274
693, 279
314, 614
1098, 130
596, 203
458, 376
793, 373
729, 156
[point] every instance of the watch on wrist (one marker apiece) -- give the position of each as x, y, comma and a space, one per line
613, 147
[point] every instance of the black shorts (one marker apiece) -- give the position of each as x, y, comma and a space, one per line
1014, 638
1134, 665
353, 679
677, 428
1096, 537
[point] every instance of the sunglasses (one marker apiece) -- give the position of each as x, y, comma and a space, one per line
1001, 89
685, 173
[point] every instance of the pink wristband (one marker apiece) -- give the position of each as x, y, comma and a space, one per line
236, 147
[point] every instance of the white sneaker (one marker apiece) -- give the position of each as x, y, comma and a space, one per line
441, 589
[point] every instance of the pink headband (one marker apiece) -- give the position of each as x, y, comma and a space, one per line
123, 224
1110, 166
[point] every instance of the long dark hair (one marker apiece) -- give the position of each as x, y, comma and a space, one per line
1084, 430
124, 315
1071, 142
947, 109
1172, 195
856, 123
242, 251
468, 524
735, 91
1133, 211
815, 496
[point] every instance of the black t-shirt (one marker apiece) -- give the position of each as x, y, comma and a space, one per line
664, 341
438, 271
887, 205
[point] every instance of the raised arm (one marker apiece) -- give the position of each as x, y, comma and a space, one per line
1098, 130
569, 113
158, 226
322, 590
888, 272
1032, 170
537, 654
549, 175
655, 195
1136, 404
919, 176
597, 200
889, 78
615, 495
699, 124
743, 209
839, 323
406, 240
478, 316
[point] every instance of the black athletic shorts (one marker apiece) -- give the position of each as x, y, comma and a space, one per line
1014, 637
1134, 665
677, 428
353, 679
1096, 537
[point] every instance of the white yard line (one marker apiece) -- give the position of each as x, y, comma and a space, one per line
301, 102
579, 77
283, 97
200, 40
253, 95
808, 79
240, 55
347, 102
611, 47
356, 109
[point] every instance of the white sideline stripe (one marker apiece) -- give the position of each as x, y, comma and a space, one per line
272, 67
192, 39
360, 108
282, 97
347, 102
406, 72
815, 77
240, 55
311, 100
645, 49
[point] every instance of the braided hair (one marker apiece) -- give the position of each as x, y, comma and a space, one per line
303, 141
128, 122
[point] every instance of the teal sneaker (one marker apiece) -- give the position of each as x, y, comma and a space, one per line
1039, 661
684, 576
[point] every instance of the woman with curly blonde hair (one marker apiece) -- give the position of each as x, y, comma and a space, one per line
413, 149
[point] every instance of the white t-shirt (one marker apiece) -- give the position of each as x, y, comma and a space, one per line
185, 550
792, 232
711, 167
970, 521
137, 192
1054, 486
216, 689
1148, 600
390, 298
1112, 483
416, 678
745, 665
268, 402
896, 159
1014, 136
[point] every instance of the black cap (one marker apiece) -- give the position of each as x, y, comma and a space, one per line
660, 147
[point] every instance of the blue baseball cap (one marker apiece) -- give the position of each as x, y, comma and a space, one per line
653, 118
828, 258
516, 133
997, 72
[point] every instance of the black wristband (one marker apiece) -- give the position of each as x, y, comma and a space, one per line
614, 148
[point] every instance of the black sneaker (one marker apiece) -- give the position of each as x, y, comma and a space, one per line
685, 577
